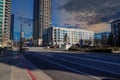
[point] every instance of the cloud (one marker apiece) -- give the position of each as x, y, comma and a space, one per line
93, 12
101, 27
88, 14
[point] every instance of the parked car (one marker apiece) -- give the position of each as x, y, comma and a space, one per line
25, 49
47, 47
54, 46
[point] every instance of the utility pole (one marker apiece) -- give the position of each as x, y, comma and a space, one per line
21, 37
24, 21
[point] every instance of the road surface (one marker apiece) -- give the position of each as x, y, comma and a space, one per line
76, 66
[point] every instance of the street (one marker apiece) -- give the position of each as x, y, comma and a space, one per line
76, 66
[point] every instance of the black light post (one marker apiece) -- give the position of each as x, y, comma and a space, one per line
3, 45
21, 36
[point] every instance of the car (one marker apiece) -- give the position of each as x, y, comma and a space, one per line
54, 47
47, 47
25, 49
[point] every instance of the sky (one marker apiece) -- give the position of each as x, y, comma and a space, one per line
95, 15
23, 11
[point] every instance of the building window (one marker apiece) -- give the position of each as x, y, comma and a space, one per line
116, 29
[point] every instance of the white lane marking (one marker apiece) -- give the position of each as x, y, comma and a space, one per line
98, 56
86, 66
68, 67
106, 62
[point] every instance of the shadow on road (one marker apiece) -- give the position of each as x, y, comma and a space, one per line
47, 66
13, 59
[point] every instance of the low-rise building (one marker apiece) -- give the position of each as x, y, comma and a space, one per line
59, 35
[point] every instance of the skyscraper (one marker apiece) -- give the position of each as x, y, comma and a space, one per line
12, 28
115, 31
5, 10
42, 21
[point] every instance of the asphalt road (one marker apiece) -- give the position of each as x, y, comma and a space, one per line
74, 66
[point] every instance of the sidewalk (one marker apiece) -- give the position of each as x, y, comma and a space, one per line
5, 71
16, 67
5, 68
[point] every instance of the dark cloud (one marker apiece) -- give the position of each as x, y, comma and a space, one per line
93, 11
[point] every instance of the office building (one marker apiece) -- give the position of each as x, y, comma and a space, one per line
74, 36
42, 21
5, 10
12, 28
101, 39
115, 30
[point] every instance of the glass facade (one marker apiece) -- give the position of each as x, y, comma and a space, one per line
115, 30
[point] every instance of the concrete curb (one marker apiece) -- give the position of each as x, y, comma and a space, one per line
18, 74
36, 73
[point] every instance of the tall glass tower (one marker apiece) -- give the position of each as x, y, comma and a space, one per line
42, 21
5, 10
